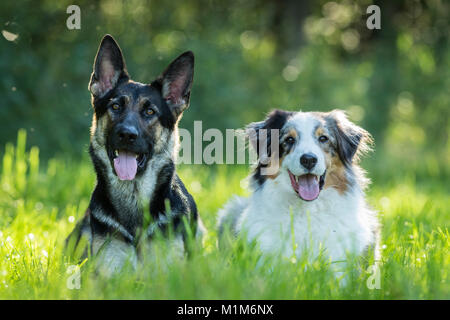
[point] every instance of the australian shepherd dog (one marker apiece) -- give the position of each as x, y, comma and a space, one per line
314, 191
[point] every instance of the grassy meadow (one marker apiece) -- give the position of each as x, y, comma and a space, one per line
251, 56
41, 202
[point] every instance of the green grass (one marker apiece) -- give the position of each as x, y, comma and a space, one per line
39, 205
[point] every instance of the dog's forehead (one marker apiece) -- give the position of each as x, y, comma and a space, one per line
137, 91
304, 122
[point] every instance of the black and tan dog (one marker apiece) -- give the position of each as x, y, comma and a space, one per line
134, 140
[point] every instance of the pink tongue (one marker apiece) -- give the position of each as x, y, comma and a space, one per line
308, 187
125, 165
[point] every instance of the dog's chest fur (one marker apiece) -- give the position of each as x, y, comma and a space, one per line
334, 223
131, 198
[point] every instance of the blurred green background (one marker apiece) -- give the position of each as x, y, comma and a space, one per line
251, 56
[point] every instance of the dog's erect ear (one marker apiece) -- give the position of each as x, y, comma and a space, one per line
176, 82
351, 140
274, 121
109, 67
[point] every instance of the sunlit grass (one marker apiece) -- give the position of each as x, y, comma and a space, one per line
40, 204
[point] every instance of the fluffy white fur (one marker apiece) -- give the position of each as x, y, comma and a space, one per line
334, 223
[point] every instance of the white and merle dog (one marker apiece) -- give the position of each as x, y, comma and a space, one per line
316, 189
134, 139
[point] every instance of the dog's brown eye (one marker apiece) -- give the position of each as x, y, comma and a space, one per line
115, 107
323, 139
149, 112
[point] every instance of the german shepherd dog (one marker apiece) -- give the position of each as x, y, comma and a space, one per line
133, 145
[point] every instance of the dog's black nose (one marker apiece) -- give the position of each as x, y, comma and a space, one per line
127, 134
308, 160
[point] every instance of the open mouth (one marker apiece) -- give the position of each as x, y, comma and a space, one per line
307, 186
126, 163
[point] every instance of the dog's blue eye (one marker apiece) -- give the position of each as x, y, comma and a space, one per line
290, 140
323, 139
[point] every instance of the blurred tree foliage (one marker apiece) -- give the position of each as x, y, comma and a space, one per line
251, 56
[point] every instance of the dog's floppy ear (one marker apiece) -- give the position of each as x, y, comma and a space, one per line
275, 120
109, 67
176, 82
351, 140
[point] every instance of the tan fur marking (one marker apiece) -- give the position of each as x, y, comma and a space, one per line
336, 174
292, 133
336, 177
319, 132
275, 160
98, 129
93, 126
